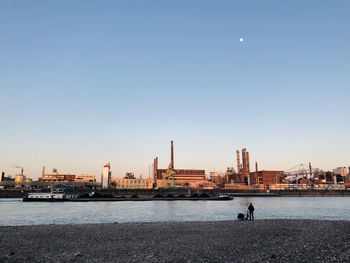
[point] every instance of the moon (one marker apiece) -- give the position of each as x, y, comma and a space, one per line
241, 39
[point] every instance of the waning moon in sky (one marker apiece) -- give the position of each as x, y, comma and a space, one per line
241, 39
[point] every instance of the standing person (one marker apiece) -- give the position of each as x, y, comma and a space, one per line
251, 212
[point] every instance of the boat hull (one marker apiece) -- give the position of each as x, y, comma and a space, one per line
126, 199
26, 199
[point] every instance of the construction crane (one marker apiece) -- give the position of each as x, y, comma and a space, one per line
302, 171
168, 176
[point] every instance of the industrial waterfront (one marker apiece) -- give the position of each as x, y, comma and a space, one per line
175, 131
16, 213
239, 176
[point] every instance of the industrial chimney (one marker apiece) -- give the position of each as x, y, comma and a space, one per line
172, 154
245, 159
2, 176
155, 168
310, 169
238, 162
246, 166
247, 162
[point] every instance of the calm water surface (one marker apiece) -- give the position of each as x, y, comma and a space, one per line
14, 212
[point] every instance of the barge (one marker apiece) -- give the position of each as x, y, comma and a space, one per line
62, 197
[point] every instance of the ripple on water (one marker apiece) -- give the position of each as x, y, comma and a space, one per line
14, 212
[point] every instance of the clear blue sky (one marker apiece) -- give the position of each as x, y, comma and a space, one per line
88, 82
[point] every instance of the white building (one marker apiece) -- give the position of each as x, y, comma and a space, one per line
106, 175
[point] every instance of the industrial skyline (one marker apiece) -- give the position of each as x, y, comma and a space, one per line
243, 177
240, 162
85, 83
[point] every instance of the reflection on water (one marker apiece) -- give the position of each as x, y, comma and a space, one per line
15, 212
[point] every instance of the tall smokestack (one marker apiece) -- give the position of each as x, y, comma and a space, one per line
43, 172
244, 160
2, 176
172, 154
238, 162
22, 171
155, 168
109, 178
256, 167
310, 169
247, 162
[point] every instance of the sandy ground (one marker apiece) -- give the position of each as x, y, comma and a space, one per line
223, 241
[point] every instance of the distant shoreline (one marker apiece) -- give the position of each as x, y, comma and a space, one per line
212, 241
144, 193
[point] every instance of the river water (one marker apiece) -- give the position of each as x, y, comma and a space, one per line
13, 212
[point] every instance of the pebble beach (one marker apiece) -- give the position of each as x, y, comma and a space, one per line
214, 241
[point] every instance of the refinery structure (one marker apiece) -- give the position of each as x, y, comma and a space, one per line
172, 177
237, 177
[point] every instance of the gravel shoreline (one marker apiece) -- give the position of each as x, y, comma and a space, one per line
217, 241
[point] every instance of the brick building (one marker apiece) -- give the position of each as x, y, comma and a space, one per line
182, 176
56, 177
266, 177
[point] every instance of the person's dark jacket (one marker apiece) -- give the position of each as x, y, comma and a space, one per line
251, 208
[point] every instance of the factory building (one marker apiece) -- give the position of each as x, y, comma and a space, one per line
342, 171
85, 178
65, 177
129, 176
244, 178
56, 177
132, 183
217, 178
20, 178
266, 177
231, 176
180, 177
129, 181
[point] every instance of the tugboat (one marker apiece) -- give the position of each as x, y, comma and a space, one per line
44, 197
224, 197
59, 193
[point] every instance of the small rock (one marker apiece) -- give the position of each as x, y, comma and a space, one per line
78, 254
